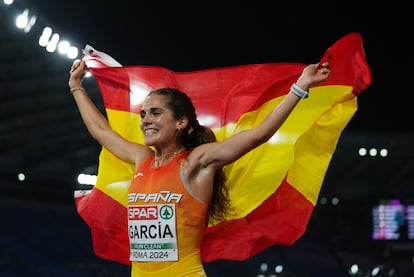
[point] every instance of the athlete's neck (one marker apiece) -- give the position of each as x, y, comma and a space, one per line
163, 158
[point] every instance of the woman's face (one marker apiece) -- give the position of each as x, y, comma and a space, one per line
158, 124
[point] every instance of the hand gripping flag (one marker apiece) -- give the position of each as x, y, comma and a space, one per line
274, 188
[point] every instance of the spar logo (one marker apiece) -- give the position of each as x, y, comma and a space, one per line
166, 212
143, 212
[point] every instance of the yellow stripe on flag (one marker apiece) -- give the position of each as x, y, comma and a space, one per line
114, 175
272, 160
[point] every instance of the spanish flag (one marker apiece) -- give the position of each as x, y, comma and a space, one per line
274, 188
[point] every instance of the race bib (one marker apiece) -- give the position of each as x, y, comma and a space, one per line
152, 233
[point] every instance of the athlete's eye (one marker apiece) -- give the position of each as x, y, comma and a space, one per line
155, 112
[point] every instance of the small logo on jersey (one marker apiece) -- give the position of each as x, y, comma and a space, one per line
138, 175
166, 212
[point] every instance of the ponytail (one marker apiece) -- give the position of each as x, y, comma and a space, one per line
199, 135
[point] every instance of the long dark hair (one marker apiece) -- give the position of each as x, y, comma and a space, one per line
193, 135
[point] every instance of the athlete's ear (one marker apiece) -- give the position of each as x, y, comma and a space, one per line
182, 123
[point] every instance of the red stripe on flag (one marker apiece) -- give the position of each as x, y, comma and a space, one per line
231, 91
228, 92
108, 227
273, 222
349, 63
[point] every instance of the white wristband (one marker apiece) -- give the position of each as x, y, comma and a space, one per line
298, 91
